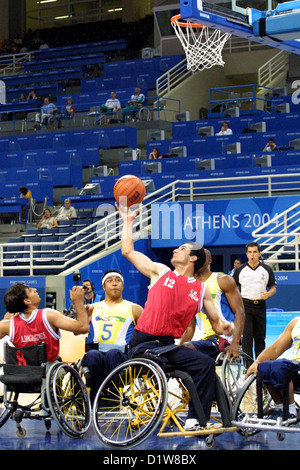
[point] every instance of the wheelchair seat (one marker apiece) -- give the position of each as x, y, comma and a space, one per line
24, 368
56, 391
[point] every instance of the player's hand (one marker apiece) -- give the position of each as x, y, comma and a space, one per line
77, 294
126, 212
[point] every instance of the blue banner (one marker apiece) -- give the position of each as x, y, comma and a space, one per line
214, 222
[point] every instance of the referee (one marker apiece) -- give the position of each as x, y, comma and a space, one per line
257, 283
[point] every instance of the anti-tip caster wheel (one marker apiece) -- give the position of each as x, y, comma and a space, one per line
21, 432
210, 441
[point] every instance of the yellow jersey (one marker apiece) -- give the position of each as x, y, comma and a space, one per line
296, 342
111, 327
221, 304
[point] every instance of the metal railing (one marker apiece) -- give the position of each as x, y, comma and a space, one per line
280, 238
273, 69
13, 63
172, 78
93, 242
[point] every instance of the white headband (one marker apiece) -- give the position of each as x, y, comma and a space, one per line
112, 274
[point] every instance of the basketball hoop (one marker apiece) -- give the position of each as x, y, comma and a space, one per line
203, 48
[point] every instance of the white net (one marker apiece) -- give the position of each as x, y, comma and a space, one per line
203, 47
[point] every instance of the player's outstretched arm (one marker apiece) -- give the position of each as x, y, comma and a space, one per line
142, 262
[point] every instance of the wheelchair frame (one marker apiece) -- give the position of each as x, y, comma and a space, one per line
254, 405
45, 392
133, 402
233, 371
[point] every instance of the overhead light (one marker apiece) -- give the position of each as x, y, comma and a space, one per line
62, 17
114, 9
47, 1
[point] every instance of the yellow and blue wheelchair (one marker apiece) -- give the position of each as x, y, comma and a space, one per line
35, 389
146, 394
253, 409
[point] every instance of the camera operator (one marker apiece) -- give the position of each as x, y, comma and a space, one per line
90, 295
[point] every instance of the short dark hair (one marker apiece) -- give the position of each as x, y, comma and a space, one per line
198, 250
111, 271
14, 297
23, 190
253, 244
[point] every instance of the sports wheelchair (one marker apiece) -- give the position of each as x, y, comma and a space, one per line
35, 389
232, 371
254, 406
136, 399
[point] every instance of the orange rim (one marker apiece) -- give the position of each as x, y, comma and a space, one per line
174, 20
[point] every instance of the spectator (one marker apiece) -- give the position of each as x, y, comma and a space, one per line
25, 193
67, 112
257, 283
32, 95
17, 40
67, 212
237, 262
155, 154
43, 45
270, 146
112, 104
48, 110
225, 129
47, 221
136, 102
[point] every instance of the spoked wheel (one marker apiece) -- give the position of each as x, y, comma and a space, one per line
68, 399
233, 372
130, 404
246, 406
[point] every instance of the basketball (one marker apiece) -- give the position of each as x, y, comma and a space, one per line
132, 188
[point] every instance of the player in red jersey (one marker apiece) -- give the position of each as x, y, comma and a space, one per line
30, 325
174, 298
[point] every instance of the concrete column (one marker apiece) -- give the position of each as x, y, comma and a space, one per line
12, 18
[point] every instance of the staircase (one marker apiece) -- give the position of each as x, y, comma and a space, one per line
280, 238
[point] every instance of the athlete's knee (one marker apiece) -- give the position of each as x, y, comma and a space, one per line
114, 357
189, 345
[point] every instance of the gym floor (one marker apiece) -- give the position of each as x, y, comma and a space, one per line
38, 438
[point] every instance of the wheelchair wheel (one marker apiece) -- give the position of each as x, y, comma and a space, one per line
68, 399
233, 372
130, 404
246, 405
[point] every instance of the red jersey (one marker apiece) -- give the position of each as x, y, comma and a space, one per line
173, 300
35, 329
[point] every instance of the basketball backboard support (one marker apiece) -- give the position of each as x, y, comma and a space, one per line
278, 28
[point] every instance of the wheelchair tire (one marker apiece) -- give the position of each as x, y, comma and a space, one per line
130, 404
68, 399
246, 405
233, 372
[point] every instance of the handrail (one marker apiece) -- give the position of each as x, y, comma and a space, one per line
105, 233
280, 237
172, 77
12, 63
273, 68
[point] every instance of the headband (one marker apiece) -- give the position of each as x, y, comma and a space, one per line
112, 274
